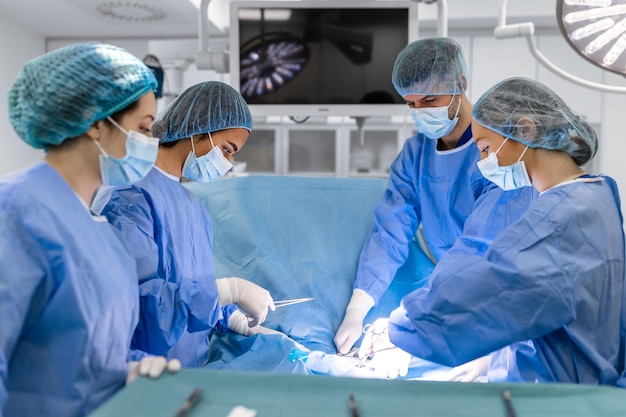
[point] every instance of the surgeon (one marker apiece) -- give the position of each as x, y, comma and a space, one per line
547, 295
434, 181
171, 233
68, 294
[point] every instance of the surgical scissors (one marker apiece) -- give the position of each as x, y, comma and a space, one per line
283, 303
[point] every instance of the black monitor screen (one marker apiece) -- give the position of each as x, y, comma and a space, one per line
320, 56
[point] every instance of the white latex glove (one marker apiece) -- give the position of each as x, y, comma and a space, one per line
150, 366
238, 323
387, 360
248, 296
351, 327
468, 372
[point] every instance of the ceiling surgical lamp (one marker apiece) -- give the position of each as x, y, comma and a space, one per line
565, 8
596, 29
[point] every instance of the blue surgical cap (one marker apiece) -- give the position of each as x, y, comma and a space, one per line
206, 107
430, 66
557, 127
61, 94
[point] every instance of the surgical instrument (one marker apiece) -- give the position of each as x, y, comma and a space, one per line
189, 402
506, 396
354, 412
283, 303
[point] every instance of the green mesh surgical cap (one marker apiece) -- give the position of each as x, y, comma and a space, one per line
430, 66
505, 106
205, 107
61, 94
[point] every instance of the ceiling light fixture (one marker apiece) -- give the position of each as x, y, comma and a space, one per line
504, 30
129, 11
596, 29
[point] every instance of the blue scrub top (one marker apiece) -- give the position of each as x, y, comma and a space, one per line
170, 234
546, 296
68, 299
438, 189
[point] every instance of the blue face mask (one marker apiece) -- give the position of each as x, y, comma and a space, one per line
508, 177
141, 152
433, 122
208, 167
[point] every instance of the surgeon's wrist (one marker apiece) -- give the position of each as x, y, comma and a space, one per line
238, 323
225, 294
361, 302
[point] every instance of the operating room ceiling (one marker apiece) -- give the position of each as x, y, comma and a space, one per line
158, 19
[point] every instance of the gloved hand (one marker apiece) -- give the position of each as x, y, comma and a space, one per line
468, 372
151, 366
238, 323
386, 359
351, 327
249, 297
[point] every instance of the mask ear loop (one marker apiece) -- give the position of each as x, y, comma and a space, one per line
114, 123
523, 153
100, 147
496, 152
458, 109
211, 139
193, 148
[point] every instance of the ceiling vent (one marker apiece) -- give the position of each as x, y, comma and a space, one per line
131, 11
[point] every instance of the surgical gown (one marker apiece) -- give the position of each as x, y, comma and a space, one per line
68, 299
438, 189
547, 296
170, 233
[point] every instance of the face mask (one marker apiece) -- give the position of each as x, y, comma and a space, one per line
508, 177
433, 122
206, 168
141, 152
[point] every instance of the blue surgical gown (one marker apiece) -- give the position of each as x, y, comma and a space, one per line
546, 296
68, 299
170, 233
438, 189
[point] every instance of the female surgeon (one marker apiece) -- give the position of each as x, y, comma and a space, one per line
170, 231
68, 296
547, 295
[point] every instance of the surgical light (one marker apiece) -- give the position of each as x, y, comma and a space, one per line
596, 29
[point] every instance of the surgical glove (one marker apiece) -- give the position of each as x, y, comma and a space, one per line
151, 366
351, 327
249, 297
472, 371
238, 323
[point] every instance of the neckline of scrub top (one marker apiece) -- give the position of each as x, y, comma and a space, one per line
583, 178
465, 137
168, 175
93, 215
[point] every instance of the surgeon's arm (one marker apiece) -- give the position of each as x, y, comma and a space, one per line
396, 219
465, 311
22, 272
165, 303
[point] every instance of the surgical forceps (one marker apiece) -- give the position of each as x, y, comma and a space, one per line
283, 303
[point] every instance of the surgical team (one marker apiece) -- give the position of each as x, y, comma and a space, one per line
106, 273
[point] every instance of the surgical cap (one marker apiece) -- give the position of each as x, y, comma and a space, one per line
206, 107
557, 127
430, 66
61, 94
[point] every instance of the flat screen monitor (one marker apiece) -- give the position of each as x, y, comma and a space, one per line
312, 58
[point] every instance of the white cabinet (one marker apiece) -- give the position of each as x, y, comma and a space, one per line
323, 148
